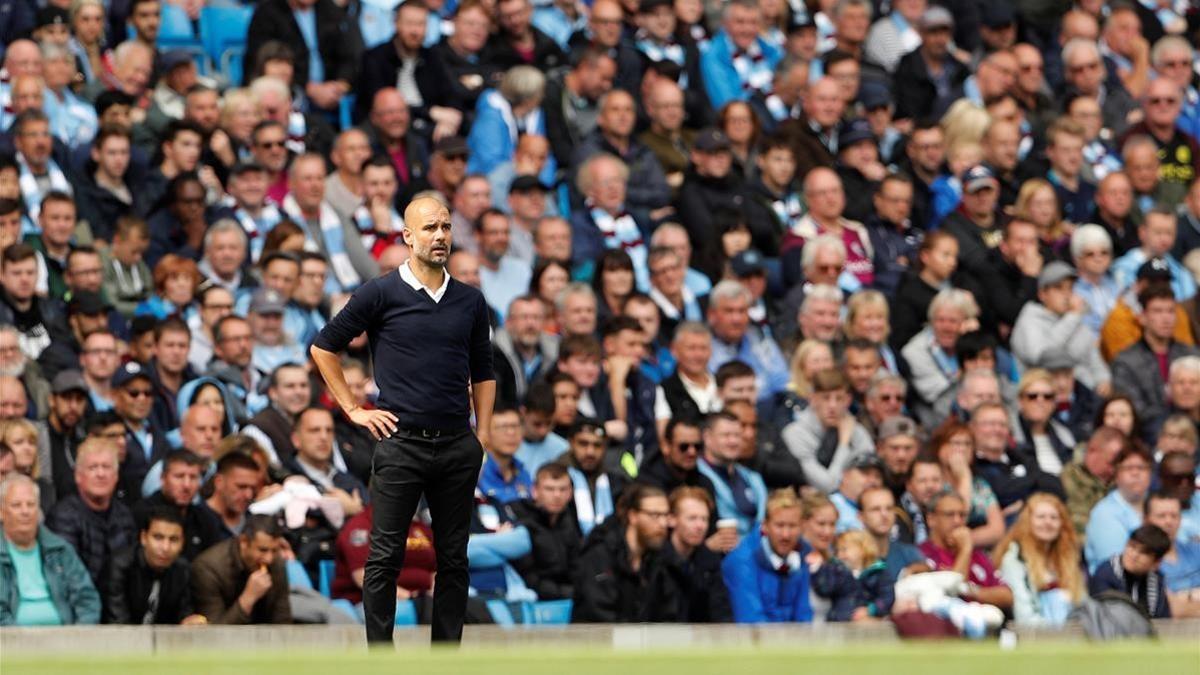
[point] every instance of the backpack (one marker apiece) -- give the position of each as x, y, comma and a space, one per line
1113, 615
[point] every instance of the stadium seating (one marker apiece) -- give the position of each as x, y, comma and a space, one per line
223, 35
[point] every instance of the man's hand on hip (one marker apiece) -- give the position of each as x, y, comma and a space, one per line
381, 423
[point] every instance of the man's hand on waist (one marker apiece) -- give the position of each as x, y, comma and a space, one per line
381, 423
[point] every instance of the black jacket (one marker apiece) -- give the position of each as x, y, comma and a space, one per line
608, 590
705, 597
914, 91
550, 564
1017, 478
338, 39
766, 227
94, 536
656, 472
859, 189
380, 66
138, 461
699, 197
128, 585
1004, 290
500, 54
465, 78
99, 207
201, 526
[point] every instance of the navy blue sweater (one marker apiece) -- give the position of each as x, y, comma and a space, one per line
425, 352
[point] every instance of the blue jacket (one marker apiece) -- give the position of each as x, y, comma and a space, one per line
727, 505
493, 136
721, 79
758, 592
71, 588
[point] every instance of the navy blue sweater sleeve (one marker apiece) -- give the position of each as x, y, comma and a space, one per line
354, 318
481, 344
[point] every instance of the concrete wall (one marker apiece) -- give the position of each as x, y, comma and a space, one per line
112, 640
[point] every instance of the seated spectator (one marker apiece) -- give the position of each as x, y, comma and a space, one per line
949, 548
236, 482
242, 580
43, 580
1177, 477
1037, 433
289, 393
21, 437
181, 471
540, 445
878, 515
94, 523
734, 338
273, 346
1092, 254
1142, 369
413, 582
150, 583
767, 575
1134, 572
624, 575
646, 188
834, 592
1039, 560
502, 276
676, 465
741, 494
1157, 236
1086, 480
522, 351
856, 550
691, 391
503, 478
1012, 474
502, 114
554, 533
603, 222
738, 62
1181, 565
326, 50
105, 193
43, 320
1123, 327
1053, 322
924, 482
596, 487
937, 258
1120, 512
954, 448
313, 438
864, 473
128, 282
707, 598
930, 354
825, 437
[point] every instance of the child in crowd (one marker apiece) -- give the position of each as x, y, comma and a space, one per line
1134, 572
859, 553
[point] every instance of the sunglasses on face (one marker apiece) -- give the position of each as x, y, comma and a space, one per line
1035, 395
139, 393
691, 447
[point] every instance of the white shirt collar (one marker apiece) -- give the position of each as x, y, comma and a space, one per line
792, 560
409, 278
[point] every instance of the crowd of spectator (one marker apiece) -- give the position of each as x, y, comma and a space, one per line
802, 311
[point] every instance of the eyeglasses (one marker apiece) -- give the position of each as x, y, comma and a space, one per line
271, 144
656, 515
692, 447
1162, 100
1035, 395
139, 393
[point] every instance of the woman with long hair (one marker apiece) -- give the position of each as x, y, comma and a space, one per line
741, 126
613, 282
549, 278
87, 18
1039, 560
954, 447
834, 591
1117, 411
1037, 203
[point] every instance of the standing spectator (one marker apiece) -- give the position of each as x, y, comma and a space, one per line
1134, 571
149, 583
1120, 513
1087, 480
326, 44
930, 77
623, 574
43, 580
242, 580
1039, 560
768, 575
92, 521
549, 567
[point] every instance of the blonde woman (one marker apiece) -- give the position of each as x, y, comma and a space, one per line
240, 113
1039, 560
869, 318
21, 437
1037, 203
87, 37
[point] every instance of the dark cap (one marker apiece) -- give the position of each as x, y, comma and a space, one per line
245, 166
128, 373
526, 183
936, 17
647, 6
452, 146
1155, 269
874, 96
173, 59
897, 426
854, 131
1055, 272
51, 15
583, 424
997, 14
867, 463
711, 140
68, 380
88, 302
801, 21
978, 177
1056, 358
267, 301
747, 263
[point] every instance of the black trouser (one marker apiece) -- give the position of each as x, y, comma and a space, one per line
445, 468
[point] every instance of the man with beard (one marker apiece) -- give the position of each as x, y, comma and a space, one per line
502, 276
624, 576
14, 364
235, 485
60, 435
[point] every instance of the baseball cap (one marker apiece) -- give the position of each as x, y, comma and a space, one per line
997, 14
897, 426
526, 183
978, 177
128, 373
68, 380
747, 263
583, 424
88, 302
867, 463
874, 96
267, 301
711, 140
936, 17
647, 6
51, 15
854, 131
1055, 272
175, 58
801, 20
452, 146
1155, 269
245, 166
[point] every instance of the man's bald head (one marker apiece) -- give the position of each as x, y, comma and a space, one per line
23, 58
427, 230
420, 210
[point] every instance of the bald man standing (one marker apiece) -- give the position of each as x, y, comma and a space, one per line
430, 345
